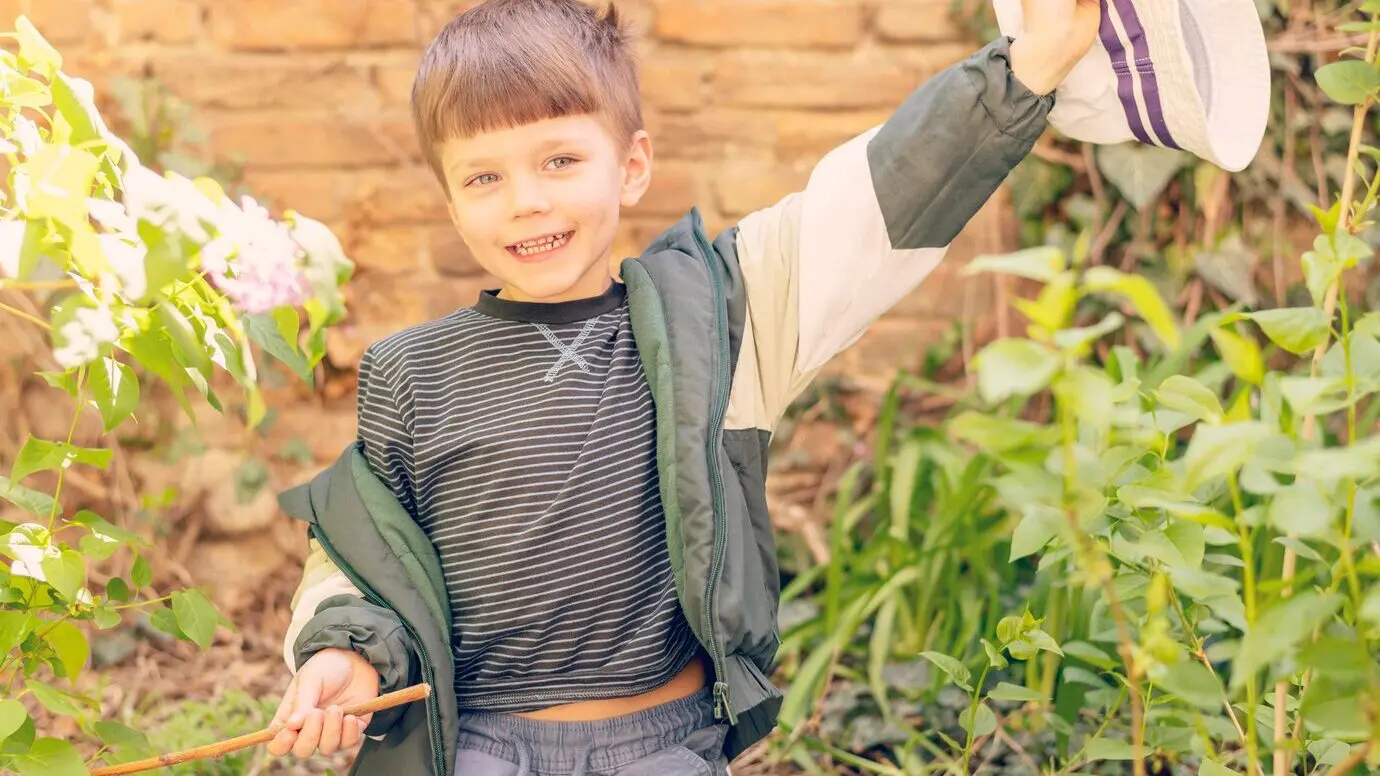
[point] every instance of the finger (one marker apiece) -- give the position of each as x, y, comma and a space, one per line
310, 737
282, 743
351, 732
307, 697
285, 705
332, 730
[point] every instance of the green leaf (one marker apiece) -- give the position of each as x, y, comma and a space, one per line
1109, 749
71, 647
31, 501
53, 699
1090, 390
1370, 607
115, 391
12, 715
266, 331
1217, 451
1296, 329
140, 575
1005, 691
1142, 295
66, 572
1189, 538
994, 656
1014, 367
1193, 683
1191, 397
1303, 509
1139, 172
1089, 654
1241, 354
118, 590
74, 100
1039, 524
1214, 768
41, 455
15, 626
1337, 708
196, 616
1315, 395
1081, 339
957, 671
1348, 82
1042, 263
108, 531
106, 618
983, 723
1275, 633
38, 53
51, 757
60, 182
21, 92
999, 435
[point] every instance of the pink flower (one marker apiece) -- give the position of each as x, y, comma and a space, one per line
253, 259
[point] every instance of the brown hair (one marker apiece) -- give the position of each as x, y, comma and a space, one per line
505, 63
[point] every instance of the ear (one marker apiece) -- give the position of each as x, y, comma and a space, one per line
637, 169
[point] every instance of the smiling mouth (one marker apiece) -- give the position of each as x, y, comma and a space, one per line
541, 245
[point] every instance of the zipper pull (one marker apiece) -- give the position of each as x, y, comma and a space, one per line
721, 704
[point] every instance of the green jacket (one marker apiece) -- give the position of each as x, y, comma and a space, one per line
730, 331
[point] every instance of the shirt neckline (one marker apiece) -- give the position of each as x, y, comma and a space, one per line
551, 312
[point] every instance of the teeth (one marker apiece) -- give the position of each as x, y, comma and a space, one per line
542, 244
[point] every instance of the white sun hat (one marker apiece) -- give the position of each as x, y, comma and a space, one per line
1187, 74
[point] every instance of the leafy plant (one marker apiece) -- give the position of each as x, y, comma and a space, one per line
1190, 513
148, 280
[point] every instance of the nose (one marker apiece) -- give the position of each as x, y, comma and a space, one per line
527, 197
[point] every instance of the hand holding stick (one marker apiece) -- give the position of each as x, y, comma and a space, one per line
408, 695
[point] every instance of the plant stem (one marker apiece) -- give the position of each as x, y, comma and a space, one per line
1283, 759
1354, 759
1197, 643
136, 604
71, 434
972, 716
36, 285
21, 314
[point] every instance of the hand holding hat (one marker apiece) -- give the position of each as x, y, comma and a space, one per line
1192, 75
1058, 35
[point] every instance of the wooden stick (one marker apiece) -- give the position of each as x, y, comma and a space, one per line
408, 695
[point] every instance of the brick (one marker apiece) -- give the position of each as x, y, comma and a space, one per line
272, 25
714, 133
446, 295
450, 257
319, 194
813, 80
160, 21
809, 135
740, 189
394, 78
398, 195
916, 21
675, 83
891, 344
675, 188
389, 249
805, 23
260, 81
925, 61
305, 140
60, 21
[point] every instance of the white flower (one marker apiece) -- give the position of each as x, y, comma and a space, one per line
127, 261
11, 243
112, 215
26, 134
84, 335
254, 259
168, 199
28, 556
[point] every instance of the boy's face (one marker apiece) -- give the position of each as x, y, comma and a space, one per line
538, 204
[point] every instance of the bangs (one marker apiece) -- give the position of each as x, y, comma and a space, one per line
507, 63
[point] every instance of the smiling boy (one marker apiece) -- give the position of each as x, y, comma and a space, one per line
555, 510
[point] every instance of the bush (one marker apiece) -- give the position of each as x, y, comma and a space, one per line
148, 280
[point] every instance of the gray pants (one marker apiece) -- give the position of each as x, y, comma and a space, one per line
680, 738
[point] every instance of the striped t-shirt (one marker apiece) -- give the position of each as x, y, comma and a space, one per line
522, 439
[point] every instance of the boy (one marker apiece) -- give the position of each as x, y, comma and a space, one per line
554, 513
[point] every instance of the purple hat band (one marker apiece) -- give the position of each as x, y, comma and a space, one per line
1126, 74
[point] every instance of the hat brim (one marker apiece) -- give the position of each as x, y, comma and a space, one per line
1192, 75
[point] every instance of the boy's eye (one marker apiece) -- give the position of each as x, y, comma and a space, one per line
483, 180
561, 162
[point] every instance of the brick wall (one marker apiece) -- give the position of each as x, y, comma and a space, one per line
742, 98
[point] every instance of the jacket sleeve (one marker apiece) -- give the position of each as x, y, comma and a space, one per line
330, 612
877, 216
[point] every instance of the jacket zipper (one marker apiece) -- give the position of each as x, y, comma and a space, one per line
722, 705
433, 717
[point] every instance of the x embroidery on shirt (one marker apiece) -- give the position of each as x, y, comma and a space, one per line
568, 352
